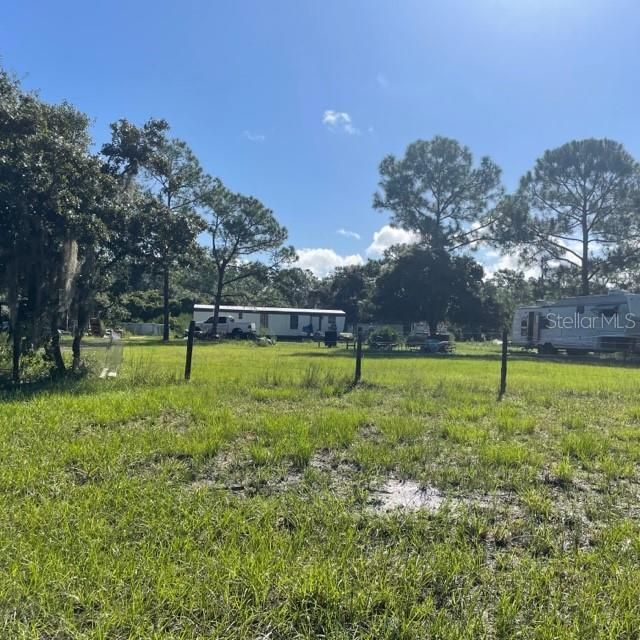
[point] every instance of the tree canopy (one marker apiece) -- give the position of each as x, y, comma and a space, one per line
576, 207
246, 239
436, 191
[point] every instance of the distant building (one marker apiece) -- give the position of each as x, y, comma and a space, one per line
283, 322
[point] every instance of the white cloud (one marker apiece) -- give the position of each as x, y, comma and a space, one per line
388, 236
348, 234
382, 81
254, 137
323, 261
339, 121
493, 261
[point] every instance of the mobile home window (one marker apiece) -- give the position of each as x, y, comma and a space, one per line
293, 321
264, 320
239, 315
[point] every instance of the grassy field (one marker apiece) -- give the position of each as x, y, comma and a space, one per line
256, 501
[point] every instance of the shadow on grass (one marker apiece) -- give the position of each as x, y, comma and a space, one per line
392, 355
592, 360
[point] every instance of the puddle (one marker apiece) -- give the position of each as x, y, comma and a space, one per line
407, 495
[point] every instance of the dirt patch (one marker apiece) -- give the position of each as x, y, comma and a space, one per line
333, 463
370, 431
407, 495
168, 419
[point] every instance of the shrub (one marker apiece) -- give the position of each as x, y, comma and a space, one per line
384, 334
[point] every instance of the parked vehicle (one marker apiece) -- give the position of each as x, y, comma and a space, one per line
438, 343
227, 326
581, 324
416, 339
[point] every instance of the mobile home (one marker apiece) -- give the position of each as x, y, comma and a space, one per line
597, 323
279, 321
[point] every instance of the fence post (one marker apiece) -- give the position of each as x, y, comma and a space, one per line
190, 335
503, 368
358, 356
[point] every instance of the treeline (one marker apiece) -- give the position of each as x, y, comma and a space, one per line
80, 230
572, 224
139, 231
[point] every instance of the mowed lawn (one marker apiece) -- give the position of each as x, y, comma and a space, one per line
252, 501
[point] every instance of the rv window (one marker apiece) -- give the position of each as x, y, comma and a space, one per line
523, 327
543, 321
609, 312
293, 321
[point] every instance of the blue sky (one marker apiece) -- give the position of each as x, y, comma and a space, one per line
296, 102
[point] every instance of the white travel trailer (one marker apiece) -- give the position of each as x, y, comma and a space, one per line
278, 321
598, 323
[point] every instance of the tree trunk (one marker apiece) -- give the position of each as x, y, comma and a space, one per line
77, 338
165, 295
15, 321
216, 304
81, 305
17, 351
53, 343
56, 353
584, 267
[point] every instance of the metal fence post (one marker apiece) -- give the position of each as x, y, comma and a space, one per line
190, 335
358, 357
503, 368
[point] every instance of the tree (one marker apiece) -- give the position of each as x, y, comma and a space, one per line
511, 289
56, 203
575, 208
351, 288
246, 239
285, 287
171, 182
171, 241
132, 148
294, 287
418, 283
436, 191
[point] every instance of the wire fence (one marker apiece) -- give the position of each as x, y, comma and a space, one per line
313, 364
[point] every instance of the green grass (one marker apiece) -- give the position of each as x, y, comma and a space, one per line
241, 504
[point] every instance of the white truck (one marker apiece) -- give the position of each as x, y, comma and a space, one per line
227, 326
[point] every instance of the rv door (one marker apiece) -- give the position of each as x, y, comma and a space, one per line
530, 325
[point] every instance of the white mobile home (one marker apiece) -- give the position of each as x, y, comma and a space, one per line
279, 321
597, 323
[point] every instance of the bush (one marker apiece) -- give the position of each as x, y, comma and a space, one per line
384, 334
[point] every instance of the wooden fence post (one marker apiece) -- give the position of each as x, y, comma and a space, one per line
358, 356
503, 368
190, 335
